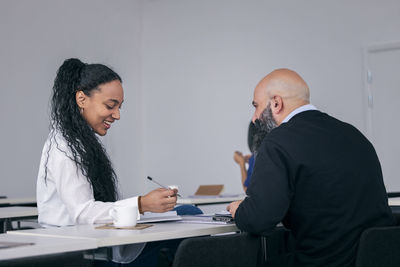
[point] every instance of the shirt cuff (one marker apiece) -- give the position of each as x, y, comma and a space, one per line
132, 201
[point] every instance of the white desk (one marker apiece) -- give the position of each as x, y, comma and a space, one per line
208, 200
18, 201
109, 237
394, 201
15, 213
42, 246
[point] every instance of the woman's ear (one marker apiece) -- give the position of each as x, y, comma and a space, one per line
80, 98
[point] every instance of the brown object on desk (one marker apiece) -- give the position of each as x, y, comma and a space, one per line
136, 227
209, 190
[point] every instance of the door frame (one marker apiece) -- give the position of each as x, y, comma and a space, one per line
368, 79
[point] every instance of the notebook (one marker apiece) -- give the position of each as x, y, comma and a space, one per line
148, 217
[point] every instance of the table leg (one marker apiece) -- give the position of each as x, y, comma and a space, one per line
4, 226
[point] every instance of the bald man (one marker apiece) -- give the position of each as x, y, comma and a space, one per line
317, 175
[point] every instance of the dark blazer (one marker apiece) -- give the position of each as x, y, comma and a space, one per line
322, 178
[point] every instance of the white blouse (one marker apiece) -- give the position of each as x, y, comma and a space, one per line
66, 197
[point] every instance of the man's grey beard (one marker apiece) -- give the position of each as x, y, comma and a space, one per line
265, 124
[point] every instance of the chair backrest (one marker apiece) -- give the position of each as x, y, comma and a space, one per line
379, 246
227, 250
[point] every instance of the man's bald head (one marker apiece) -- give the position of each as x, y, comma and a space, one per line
284, 90
287, 84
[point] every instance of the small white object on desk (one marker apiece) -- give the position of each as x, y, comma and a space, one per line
124, 216
163, 186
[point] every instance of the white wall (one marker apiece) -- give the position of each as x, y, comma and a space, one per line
202, 59
36, 36
189, 68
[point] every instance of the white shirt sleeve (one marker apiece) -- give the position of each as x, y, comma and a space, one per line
75, 192
65, 197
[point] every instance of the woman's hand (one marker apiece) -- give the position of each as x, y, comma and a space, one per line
158, 200
247, 158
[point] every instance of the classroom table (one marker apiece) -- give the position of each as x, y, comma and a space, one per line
8, 214
394, 201
28, 201
112, 237
42, 245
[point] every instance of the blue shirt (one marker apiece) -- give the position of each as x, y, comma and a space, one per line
249, 171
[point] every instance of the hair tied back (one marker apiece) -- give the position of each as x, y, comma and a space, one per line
70, 74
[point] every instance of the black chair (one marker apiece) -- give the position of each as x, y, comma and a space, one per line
226, 250
379, 246
278, 247
396, 213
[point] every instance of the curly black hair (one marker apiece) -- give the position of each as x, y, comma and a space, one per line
88, 153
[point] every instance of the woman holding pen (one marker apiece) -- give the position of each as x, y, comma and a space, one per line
76, 182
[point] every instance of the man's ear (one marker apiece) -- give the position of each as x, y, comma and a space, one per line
276, 104
80, 98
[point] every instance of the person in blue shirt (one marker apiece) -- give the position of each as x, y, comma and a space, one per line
255, 135
241, 159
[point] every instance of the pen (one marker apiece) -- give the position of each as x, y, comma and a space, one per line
154, 181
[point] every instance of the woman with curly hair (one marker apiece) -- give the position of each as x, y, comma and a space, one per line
76, 182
